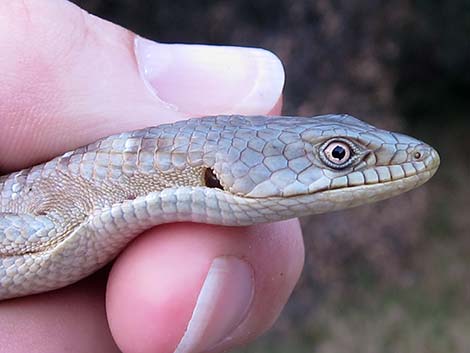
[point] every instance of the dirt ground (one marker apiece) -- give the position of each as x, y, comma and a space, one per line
389, 277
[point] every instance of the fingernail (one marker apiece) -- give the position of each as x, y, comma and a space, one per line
221, 306
205, 80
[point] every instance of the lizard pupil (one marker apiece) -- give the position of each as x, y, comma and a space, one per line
338, 152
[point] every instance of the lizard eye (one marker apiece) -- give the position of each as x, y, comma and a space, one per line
337, 154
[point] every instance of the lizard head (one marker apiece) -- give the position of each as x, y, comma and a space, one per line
319, 164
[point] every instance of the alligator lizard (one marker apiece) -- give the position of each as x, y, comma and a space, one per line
66, 218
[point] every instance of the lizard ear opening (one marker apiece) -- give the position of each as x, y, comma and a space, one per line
211, 180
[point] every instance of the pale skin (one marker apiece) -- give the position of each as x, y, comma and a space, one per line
69, 78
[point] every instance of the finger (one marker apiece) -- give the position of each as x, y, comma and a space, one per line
189, 289
68, 82
72, 319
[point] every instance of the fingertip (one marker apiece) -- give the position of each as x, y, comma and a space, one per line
237, 79
143, 311
189, 286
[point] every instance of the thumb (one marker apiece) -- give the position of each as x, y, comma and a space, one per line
74, 78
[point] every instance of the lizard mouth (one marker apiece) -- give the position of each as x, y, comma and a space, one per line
382, 175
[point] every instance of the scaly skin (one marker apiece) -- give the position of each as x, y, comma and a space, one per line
64, 219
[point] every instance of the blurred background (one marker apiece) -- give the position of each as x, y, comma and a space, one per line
388, 277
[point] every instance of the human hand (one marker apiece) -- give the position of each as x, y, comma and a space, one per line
69, 78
